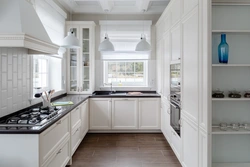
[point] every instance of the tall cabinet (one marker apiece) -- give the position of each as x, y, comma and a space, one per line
81, 60
182, 37
231, 147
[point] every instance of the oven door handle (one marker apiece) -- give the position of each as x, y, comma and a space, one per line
175, 106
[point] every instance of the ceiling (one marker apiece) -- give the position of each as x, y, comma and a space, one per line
115, 6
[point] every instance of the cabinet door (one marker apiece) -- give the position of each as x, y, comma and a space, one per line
84, 118
100, 113
73, 64
176, 43
149, 113
166, 119
124, 113
159, 66
189, 135
176, 143
85, 66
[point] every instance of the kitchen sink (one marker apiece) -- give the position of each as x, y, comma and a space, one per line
104, 93
118, 94
101, 93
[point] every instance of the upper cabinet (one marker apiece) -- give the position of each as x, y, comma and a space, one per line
81, 61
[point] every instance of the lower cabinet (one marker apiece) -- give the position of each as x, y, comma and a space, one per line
84, 109
165, 124
125, 113
51, 139
149, 113
100, 113
75, 129
190, 140
176, 144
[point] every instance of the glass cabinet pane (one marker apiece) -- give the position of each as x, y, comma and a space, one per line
85, 59
73, 66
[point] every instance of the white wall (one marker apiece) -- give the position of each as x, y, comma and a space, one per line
99, 62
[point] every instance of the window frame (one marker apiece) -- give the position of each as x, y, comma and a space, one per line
44, 57
126, 84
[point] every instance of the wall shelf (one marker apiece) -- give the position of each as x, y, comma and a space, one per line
230, 164
230, 65
230, 31
231, 99
217, 131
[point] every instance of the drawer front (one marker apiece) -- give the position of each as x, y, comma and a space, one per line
75, 138
75, 116
61, 157
53, 136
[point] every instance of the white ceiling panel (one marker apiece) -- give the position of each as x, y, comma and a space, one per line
115, 6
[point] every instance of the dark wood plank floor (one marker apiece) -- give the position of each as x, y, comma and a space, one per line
124, 150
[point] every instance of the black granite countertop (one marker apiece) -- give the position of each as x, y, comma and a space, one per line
77, 100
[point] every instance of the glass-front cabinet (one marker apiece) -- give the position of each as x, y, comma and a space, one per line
81, 60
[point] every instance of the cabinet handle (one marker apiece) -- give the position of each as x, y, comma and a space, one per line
180, 122
173, 133
77, 108
59, 151
76, 131
168, 111
59, 122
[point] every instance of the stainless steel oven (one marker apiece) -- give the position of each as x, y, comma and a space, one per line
175, 97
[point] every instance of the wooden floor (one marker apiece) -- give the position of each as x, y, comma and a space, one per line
124, 150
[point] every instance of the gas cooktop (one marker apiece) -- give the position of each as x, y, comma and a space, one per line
32, 119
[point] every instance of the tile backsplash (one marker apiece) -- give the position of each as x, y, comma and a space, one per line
15, 79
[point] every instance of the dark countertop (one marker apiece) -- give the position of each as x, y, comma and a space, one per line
77, 100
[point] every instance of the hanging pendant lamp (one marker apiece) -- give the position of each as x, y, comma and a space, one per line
143, 45
70, 41
106, 45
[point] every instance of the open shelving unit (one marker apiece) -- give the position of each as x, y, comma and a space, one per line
226, 145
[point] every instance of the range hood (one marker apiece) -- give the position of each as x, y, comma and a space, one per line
20, 26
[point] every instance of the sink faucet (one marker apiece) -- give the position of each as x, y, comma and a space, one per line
111, 86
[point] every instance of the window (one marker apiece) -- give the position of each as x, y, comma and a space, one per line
47, 73
40, 72
126, 73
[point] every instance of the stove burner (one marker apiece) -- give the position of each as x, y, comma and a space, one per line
35, 113
13, 120
24, 116
23, 121
36, 109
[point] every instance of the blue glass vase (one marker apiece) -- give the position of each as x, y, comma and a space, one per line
223, 49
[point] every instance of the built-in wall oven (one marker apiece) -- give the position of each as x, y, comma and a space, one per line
175, 97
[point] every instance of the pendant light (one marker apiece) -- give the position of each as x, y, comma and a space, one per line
106, 45
70, 41
143, 45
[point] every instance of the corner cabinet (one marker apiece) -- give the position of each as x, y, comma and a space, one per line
80, 61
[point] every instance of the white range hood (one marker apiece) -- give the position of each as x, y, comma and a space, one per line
20, 26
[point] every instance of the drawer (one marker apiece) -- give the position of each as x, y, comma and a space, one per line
61, 157
75, 116
75, 138
176, 143
51, 138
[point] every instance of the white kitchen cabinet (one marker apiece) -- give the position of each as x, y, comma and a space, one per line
176, 143
100, 113
75, 129
149, 113
81, 61
166, 128
124, 113
52, 138
84, 108
175, 9
159, 52
176, 43
190, 143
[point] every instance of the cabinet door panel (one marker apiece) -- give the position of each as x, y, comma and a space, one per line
149, 113
175, 11
191, 66
189, 135
189, 5
124, 113
84, 119
100, 113
176, 43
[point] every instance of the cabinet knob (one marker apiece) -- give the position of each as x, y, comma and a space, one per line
59, 151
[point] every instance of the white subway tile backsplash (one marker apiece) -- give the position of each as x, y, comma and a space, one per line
10, 87
14, 79
4, 81
4, 63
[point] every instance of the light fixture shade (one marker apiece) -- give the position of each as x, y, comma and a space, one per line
70, 41
143, 45
106, 45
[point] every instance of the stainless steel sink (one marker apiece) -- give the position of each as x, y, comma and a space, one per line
118, 94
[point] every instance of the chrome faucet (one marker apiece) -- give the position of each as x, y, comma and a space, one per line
111, 86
